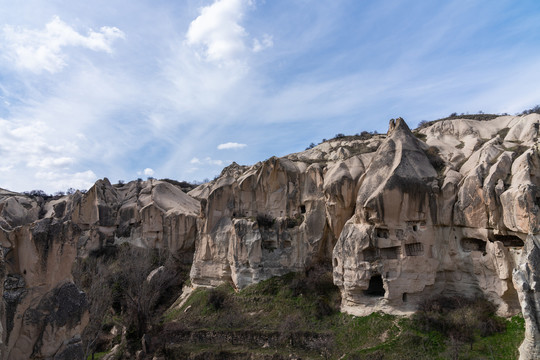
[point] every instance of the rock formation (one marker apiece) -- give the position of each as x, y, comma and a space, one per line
43, 311
401, 219
451, 208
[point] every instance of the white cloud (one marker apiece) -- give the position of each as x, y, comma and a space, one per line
266, 42
218, 31
231, 145
211, 161
206, 161
63, 180
42, 50
149, 172
51, 162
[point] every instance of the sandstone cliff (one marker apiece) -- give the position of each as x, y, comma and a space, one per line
43, 311
449, 209
401, 219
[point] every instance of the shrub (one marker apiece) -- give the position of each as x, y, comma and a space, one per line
420, 136
533, 110
479, 144
434, 158
458, 318
216, 299
38, 193
292, 222
503, 132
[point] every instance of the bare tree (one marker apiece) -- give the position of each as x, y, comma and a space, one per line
93, 274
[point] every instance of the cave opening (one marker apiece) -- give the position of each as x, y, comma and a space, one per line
509, 240
382, 233
473, 244
376, 287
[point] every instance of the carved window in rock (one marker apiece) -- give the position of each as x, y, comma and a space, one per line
382, 233
302, 209
509, 240
391, 252
472, 244
414, 249
370, 254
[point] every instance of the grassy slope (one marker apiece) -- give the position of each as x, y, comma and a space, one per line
298, 315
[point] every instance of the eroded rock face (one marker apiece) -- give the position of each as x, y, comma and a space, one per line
43, 312
403, 219
452, 209
275, 217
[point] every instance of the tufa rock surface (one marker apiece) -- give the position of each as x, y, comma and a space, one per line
452, 208
43, 311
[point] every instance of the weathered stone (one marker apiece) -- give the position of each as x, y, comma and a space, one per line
400, 219
42, 307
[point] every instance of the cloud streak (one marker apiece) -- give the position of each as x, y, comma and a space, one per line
42, 50
231, 145
82, 100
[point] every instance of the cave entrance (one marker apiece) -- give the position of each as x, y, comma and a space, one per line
376, 287
509, 240
472, 244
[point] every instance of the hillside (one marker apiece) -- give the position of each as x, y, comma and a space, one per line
375, 227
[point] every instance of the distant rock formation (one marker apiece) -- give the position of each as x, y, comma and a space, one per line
43, 311
451, 208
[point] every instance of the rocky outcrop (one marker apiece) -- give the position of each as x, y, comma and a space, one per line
275, 217
452, 208
44, 312
401, 219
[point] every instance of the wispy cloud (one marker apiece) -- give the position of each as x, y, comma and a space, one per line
231, 145
86, 93
42, 50
266, 42
64, 180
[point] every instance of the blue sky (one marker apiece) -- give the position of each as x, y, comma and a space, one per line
179, 89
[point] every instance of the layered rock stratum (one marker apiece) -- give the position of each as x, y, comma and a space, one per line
450, 208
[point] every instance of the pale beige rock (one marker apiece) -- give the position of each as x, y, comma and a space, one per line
398, 223
41, 239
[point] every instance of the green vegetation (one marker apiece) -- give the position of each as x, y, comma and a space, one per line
503, 132
292, 222
518, 150
364, 135
420, 136
533, 110
479, 143
121, 295
298, 314
97, 356
433, 155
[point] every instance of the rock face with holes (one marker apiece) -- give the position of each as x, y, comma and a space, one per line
402, 217
277, 216
43, 311
424, 227
451, 208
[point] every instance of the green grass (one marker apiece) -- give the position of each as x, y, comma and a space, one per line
300, 313
98, 355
